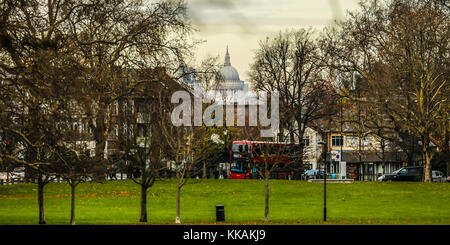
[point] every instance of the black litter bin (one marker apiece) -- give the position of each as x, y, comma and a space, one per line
220, 213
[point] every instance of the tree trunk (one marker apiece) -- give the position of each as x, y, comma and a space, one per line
204, 170
447, 154
446, 151
383, 162
143, 204
266, 185
291, 136
99, 133
178, 219
427, 168
72, 206
41, 199
7, 174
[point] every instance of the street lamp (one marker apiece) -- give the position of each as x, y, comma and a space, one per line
325, 179
225, 146
225, 143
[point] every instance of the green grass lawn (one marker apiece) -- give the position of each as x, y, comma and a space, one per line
291, 202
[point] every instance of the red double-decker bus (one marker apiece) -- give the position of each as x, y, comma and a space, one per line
247, 159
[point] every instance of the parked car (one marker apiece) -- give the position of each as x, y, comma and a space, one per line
18, 173
438, 176
404, 174
313, 174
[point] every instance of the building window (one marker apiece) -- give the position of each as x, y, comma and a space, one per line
125, 129
337, 140
128, 107
114, 131
306, 140
130, 131
131, 107
116, 108
87, 128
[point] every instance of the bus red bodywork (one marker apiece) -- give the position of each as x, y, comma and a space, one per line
244, 157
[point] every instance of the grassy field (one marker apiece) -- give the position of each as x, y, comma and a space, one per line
291, 202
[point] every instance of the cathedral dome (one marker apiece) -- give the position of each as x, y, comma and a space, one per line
228, 72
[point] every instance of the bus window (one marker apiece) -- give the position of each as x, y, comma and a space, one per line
239, 166
237, 147
236, 167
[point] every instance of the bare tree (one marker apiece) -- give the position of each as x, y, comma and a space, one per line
144, 139
291, 64
75, 165
273, 156
270, 156
32, 84
47, 46
186, 146
400, 49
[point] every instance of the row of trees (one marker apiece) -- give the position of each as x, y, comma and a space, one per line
397, 54
69, 61
385, 68
72, 60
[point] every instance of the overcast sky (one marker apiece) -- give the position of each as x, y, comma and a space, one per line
240, 24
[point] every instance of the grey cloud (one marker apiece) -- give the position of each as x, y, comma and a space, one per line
218, 16
198, 9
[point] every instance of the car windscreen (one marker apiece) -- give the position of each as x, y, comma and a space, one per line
396, 171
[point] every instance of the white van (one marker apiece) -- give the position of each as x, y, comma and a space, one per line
438, 176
